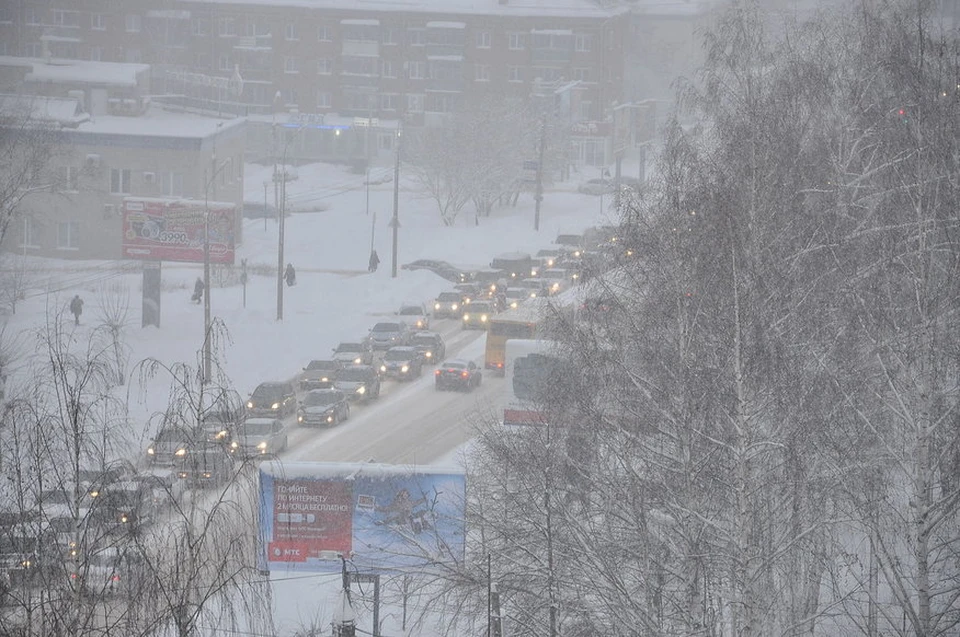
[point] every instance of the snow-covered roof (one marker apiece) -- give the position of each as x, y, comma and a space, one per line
159, 124
672, 8
510, 8
446, 25
77, 71
64, 111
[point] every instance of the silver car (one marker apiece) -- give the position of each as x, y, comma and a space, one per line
259, 437
389, 334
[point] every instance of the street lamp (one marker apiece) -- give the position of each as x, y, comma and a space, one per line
207, 355
282, 213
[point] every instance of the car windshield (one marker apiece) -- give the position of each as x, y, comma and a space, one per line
427, 341
397, 355
322, 365
455, 365
386, 327
349, 347
449, 296
410, 310
354, 375
256, 428
480, 307
514, 293
317, 399
267, 393
170, 435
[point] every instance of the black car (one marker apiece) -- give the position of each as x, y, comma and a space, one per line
449, 304
126, 506
430, 345
272, 399
458, 374
169, 444
515, 265
359, 382
354, 353
210, 465
402, 363
319, 374
323, 407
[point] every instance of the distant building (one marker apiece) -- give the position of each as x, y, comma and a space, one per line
98, 160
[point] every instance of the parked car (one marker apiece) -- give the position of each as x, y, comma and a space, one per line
272, 399
402, 363
430, 345
596, 187
319, 374
354, 353
323, 407
416, 314
457, 374
259, 437
449, 304
211, 465
359, 382
443, 269
478, 315
169, 444
387, 334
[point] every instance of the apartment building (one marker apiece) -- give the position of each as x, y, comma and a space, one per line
362, 66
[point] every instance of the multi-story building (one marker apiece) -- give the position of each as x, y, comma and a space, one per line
382, 60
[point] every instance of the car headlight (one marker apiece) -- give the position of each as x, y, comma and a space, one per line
221, 434
436, 306
454, 306
357, 360
330, 419
249, 404
94, 493
533, 295
404, 369
124, 518
299, 417
513, 305
150, 451
361, 389
550, 263
324, 380
428, 354
466, 317
275, 406
234, 444
262, 445
180, 452
483, 318
533, 272
383, 368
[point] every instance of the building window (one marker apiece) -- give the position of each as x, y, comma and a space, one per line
385, 141
71, 178
516, 41
32, 49
120, 181
482, 72
290, 65
227, 27
171, 184
290, 96
514, 74
96, 53
388, 69
583, 43
324, 66
201, 26
70, 19
415, 37
31, 234
414, 102
290, 32
226, 173
586, 110
389, 35
133, 56
323, 34
483, 39
97, 23
224, 64
324, 99
358, 65
68, 235
389, 101
32, 17
133, 23
417, 70
581, 75
440, 103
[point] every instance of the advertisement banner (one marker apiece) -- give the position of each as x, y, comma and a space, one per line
380, 517
173, 230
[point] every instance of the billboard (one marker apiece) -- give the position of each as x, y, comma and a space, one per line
382, 517
173, 230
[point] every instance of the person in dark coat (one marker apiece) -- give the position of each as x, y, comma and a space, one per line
290, 275
374, 261
76, 308
197, 291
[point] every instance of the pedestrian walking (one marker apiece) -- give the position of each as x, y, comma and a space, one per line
198, 287
290, 275
374, 261
76, 308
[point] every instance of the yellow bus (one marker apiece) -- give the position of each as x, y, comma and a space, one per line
523, 322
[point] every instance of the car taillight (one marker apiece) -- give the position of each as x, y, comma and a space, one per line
499, 364
115, 578
464, 374
436, 373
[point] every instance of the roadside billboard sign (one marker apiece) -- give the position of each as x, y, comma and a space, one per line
173, 230
382, 517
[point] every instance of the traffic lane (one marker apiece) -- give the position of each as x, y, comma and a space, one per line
413, 424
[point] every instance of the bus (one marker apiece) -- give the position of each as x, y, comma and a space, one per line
521, 322
530, 366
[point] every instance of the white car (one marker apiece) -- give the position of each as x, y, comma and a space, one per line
259, 436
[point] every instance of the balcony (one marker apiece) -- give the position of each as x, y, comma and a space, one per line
254, 43
551, 56
444, 50
358, 48
447, 85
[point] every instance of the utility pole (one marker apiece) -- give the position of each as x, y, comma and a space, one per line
395, 222
282, 212
207, 366
539, 196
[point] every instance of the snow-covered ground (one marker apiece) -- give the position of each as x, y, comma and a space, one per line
335, 298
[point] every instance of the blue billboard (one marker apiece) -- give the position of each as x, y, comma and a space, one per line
381, 517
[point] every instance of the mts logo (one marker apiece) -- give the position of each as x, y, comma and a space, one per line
291, 552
